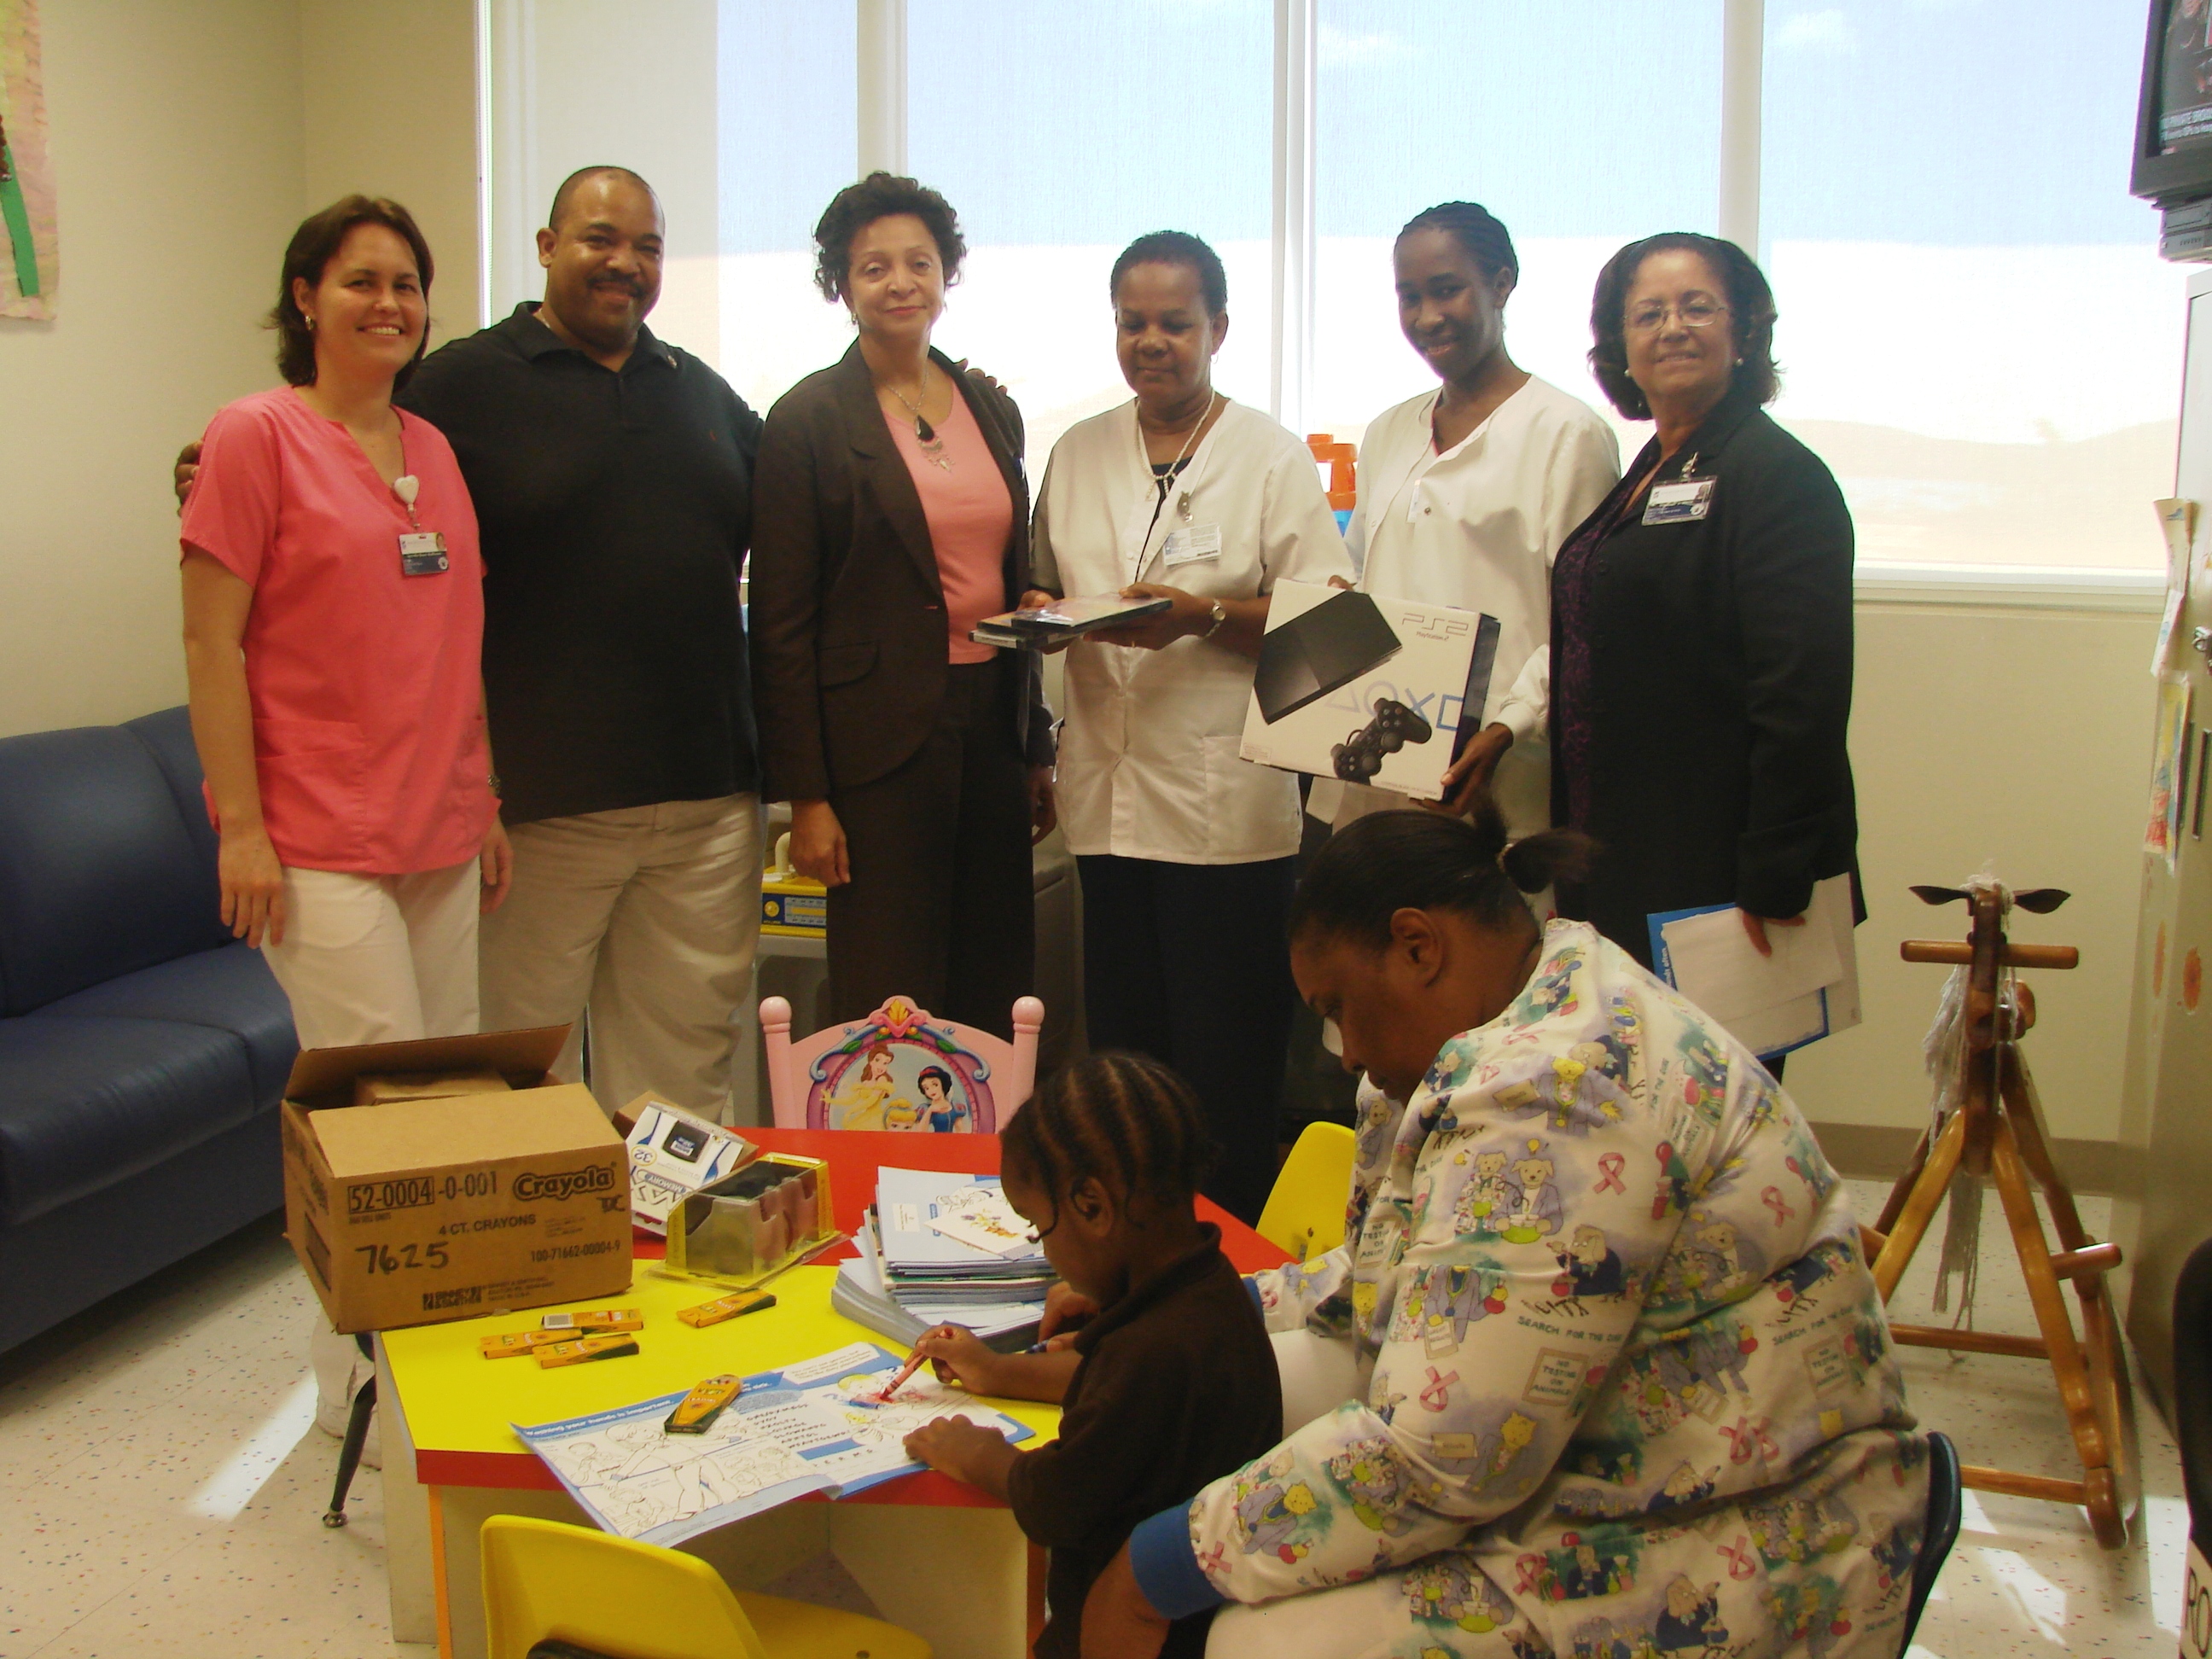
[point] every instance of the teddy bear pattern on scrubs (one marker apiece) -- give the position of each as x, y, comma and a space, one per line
1600, 1279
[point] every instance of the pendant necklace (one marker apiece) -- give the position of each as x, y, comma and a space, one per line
933, 445
1182, 502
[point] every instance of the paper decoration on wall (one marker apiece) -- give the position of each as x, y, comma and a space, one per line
30, 259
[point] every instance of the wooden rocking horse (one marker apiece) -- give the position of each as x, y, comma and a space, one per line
1995, 1133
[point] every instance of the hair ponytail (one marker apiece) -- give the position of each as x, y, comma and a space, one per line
1419, 860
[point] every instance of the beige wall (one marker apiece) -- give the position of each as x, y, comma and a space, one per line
176, 152
389, 96
188, 142
2019, 736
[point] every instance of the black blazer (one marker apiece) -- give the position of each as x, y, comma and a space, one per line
847, 614
1719, 687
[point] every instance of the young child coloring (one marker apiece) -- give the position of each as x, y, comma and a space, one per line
1169, 1381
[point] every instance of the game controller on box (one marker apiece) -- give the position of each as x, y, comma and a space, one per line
1359, 757
1368, 689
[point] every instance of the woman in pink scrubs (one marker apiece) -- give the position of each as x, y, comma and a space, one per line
333, 621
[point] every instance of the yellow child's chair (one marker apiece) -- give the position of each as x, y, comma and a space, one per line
1305, 1211
545, 1581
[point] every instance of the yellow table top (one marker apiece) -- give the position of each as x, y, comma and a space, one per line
460, 1406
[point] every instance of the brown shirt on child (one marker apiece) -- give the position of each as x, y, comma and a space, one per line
1178, 1387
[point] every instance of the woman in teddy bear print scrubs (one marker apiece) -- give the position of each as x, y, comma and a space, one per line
1714, 1451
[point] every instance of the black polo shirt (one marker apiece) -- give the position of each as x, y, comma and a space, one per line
614, 510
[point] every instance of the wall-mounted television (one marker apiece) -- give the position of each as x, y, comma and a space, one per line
2174, 126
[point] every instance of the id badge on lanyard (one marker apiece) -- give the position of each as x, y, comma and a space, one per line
421, 552
1685, 500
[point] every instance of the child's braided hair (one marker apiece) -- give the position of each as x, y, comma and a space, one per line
1122, 1119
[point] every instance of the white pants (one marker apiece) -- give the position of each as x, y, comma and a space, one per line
643, 920
374, 959
379, 958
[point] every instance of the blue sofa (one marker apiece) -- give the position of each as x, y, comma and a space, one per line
142, 1051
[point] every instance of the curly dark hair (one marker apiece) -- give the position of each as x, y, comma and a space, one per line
1415, 860
314, 246
1176, 247
1751, 316
1122, 1119
879, 195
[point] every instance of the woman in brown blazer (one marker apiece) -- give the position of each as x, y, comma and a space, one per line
890, 514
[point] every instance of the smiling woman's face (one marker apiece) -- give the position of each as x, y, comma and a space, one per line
1451, 313
368, 312
1675, 363
895, 278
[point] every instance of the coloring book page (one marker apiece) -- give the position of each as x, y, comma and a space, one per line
982, 1217
813, 1426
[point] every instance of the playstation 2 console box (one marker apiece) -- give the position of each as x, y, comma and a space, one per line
1366, 688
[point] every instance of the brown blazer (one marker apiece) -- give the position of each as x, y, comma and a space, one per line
847, 614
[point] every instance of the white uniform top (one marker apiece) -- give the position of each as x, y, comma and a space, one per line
1148, 761
1478, 527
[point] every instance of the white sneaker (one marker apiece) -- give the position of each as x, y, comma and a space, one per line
341, 1369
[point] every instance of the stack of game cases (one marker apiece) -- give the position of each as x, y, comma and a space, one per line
943, 1249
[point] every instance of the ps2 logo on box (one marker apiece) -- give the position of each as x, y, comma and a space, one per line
564, 1184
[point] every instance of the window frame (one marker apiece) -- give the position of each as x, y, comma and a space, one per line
506, 117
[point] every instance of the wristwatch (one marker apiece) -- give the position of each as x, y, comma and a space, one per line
1220, 614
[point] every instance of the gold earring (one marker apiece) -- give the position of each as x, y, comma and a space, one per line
309, 318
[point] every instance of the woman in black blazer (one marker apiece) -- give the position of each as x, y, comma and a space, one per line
1701, 618
889, 514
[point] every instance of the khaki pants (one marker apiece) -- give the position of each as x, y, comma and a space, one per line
643, 919
379, 958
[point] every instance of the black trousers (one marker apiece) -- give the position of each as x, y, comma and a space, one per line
941, 908
1188, 963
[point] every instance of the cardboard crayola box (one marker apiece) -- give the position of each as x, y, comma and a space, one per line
412, 1211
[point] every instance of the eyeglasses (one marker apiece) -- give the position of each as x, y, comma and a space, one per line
1694, 314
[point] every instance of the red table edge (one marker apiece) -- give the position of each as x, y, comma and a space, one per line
848, 1152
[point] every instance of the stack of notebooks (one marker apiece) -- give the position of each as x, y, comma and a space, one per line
942, 1249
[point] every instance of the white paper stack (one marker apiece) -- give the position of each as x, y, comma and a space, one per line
949, 1240
1807, 988
858, 1294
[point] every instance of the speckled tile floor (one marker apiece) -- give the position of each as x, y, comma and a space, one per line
161, 1486
2026, 1578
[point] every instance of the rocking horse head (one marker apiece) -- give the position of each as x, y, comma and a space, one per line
2037, 900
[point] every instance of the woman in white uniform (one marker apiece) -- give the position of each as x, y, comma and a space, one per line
1465, 493
1186, 853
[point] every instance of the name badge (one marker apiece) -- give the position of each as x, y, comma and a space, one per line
423, 554
1683, 502
1191, 542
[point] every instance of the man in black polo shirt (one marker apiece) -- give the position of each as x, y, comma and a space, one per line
612, 479
612, 476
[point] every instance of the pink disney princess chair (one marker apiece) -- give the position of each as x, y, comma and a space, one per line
899, 1069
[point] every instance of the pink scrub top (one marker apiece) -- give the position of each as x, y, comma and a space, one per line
366, 683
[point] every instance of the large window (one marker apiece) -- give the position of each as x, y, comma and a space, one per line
1976, 330
1098, 121
1569, 134
740, 113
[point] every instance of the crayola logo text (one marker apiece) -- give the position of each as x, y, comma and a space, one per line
564, 1183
